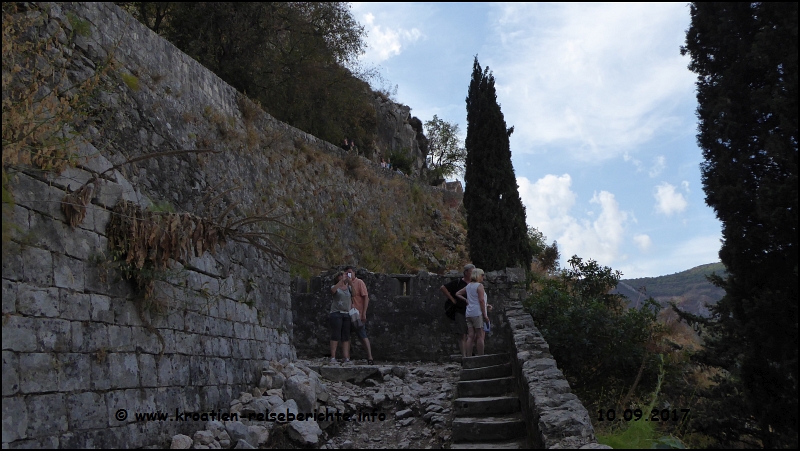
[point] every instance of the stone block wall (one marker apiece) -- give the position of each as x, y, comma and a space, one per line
554, 416
78, 346
405, 317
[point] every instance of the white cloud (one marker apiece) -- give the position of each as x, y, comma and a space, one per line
643, 242
685, 186
599, 79
548, 202
668, 201
658, 165
637, 163
384, 42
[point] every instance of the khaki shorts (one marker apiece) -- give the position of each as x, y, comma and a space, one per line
475, 322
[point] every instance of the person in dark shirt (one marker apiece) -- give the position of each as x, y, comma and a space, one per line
460, 323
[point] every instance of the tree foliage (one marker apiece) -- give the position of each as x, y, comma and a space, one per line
496, 228
599, 345
745, 56
292, 57
446, 156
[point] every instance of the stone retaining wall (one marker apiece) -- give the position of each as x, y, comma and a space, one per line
77, 347
555, 417
405, 317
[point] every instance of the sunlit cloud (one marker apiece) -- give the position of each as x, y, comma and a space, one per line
548, 202
384, 42
668, 201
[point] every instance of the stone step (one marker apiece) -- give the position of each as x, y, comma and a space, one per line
512, 444
486, 387
484, 360
468, 429
495, 405
487, 372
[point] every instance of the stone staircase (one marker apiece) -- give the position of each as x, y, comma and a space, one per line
487, 410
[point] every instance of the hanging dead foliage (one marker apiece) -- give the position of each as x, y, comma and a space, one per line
74, 204
148, 240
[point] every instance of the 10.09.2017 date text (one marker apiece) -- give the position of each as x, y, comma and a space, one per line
637, 414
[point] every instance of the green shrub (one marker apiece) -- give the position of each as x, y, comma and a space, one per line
401, 159
598, 344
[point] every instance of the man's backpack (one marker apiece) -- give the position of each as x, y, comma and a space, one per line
450, 309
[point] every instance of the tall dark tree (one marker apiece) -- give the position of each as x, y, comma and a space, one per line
745, 55
496, 229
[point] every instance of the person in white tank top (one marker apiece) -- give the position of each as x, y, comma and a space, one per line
476, 311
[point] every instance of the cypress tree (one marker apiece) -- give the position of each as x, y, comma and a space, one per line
496, 230
745, 55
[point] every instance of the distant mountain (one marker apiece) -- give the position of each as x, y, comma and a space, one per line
689, 289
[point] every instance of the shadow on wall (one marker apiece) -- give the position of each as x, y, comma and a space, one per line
405, 318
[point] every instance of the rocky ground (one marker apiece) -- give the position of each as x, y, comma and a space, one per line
394, 406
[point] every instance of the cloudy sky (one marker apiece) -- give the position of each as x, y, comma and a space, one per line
602, 106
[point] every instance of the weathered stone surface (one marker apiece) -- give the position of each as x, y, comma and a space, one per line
302, 390
257, 435
181, 441
38, 373
305, 433
203, 437
236, 430
15, 419
355, 374
87, 410
19, 334
34, 301
47, 415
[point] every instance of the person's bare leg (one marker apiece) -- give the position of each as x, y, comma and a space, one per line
462, 342
334, 345
479, 341
346, 349
365, 342
470, 340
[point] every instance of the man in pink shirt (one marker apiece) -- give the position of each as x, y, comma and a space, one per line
360, 302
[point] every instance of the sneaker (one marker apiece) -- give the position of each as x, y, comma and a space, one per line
347, 362
333, 361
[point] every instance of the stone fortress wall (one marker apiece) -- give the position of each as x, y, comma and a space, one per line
77, 347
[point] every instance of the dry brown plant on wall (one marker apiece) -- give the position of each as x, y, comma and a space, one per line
40, 102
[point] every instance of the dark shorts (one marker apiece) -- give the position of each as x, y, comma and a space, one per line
361, 332
460, 324
340, 326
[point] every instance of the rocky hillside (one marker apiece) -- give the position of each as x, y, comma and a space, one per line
400, 133
689, 289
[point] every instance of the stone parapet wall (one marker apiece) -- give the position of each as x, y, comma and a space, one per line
554, 416
405, 317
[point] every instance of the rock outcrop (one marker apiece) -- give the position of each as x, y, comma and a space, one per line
399, 132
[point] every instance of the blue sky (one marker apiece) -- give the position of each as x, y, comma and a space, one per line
603, 108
